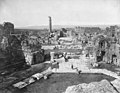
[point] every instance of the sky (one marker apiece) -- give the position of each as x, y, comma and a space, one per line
63, 12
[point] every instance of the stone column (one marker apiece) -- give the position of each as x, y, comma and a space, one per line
95, 57
52, 56
50, 24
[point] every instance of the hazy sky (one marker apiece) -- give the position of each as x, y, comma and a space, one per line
63, 12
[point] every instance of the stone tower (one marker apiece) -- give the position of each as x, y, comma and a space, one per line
50, 24
8, 28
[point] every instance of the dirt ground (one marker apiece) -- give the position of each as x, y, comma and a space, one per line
57, 83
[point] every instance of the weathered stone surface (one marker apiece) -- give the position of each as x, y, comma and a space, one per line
116, 84
95, 87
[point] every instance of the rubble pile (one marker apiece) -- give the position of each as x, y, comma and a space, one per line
69, 46
33, 78
48, 47
103, 86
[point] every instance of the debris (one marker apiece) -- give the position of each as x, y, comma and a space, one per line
37, 76
118, 73
20, 85
29, 80
95, 65
47, 72
45, 77
33, 78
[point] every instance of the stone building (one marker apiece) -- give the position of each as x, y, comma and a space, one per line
8, 28
1, 32
102, 46
10, 46
1, 29
107, 48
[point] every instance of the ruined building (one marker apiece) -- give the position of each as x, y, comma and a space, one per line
1, 32
102, 45
106, 48
10, 49
8, 28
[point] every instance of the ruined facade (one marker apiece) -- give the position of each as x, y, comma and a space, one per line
8, 28
107, 48
11, 48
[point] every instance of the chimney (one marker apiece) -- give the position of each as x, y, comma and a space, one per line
50, 24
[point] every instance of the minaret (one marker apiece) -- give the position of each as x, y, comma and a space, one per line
50, 24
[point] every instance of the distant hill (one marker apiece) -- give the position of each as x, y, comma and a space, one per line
61, 26
47, 27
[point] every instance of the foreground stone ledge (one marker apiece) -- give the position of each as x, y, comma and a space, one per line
103, 86
116, 84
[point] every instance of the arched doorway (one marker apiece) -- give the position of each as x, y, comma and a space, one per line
102, 48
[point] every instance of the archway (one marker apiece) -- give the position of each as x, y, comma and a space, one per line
114, 58
102, 48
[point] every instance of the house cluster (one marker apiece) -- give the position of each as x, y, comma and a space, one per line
97, 43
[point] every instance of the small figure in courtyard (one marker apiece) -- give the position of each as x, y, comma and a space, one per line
65, 56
